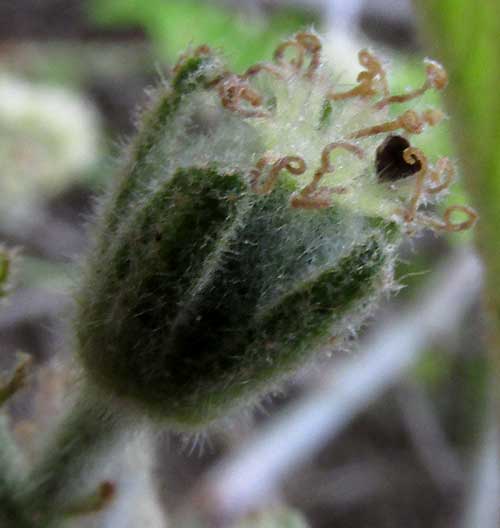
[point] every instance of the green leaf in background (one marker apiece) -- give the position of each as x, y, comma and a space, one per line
4, 272
466, 37
174, 25
6, 260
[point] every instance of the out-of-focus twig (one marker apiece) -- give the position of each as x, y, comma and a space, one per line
249, 477
17, 379
46, 237
343, 16
353, 484
428, 438
32, 304
483, 503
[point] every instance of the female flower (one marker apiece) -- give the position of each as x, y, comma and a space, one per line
256, 218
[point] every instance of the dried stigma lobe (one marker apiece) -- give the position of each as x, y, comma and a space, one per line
294, 104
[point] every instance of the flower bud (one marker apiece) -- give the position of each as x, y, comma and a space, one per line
253, 223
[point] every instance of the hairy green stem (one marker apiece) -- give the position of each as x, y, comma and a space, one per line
87, 430
11, 514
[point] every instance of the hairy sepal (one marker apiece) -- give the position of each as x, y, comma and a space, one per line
211, 293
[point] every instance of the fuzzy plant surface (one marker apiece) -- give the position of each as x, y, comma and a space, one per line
253, 222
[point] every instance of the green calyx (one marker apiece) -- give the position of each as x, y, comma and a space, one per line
212, 293
192, 73
224, 258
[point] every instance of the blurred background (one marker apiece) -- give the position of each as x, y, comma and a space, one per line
416, 450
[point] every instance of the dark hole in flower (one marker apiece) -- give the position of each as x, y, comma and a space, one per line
390, 163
